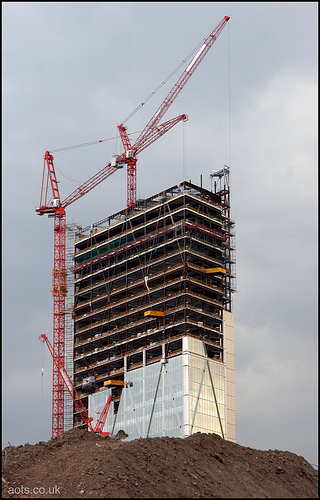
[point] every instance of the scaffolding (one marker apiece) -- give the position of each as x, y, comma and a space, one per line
69, 323
222, 189
143, 282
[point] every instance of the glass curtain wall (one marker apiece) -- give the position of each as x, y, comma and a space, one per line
151, 403
175, 397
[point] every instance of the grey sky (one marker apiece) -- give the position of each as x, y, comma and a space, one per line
71, 73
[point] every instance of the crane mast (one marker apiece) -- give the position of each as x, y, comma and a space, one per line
59, 292
51, 204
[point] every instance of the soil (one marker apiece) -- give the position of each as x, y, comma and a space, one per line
82, 464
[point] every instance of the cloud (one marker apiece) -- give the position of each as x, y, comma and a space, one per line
274, 192
271, 395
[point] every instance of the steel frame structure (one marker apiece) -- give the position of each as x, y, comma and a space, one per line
144, 281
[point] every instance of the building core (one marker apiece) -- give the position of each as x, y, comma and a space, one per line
153, 322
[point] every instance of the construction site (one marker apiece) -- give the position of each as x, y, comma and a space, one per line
142, 332
142, 300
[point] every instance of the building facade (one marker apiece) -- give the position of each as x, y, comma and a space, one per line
153, 322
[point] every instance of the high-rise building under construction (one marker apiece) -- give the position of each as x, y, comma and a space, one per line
153, 323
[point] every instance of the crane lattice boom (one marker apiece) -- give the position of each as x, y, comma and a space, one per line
73, 393
176, 89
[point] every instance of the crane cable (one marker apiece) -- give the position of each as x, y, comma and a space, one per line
184, 153
67, 148
229, 64
80, 145
88, 143
166, 79
138, 107
91, 143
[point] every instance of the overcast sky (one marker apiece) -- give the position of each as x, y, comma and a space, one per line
71, 73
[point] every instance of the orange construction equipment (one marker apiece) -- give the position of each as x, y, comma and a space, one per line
216, 270
154, 313
110, 383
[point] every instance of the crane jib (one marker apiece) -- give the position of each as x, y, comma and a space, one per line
182, 80
195, 58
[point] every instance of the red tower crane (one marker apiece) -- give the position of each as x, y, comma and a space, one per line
152, 130
98, 429
51, 204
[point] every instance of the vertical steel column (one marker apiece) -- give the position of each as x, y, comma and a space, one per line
125, 360
144, 360
154, 400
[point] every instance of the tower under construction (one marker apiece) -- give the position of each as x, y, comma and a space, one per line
153, 323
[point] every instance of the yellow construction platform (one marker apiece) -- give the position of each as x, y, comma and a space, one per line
109, 383
154, 313
215, 270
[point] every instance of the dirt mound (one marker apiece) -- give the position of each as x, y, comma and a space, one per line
79, 463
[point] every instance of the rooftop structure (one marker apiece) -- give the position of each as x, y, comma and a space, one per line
153, 314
